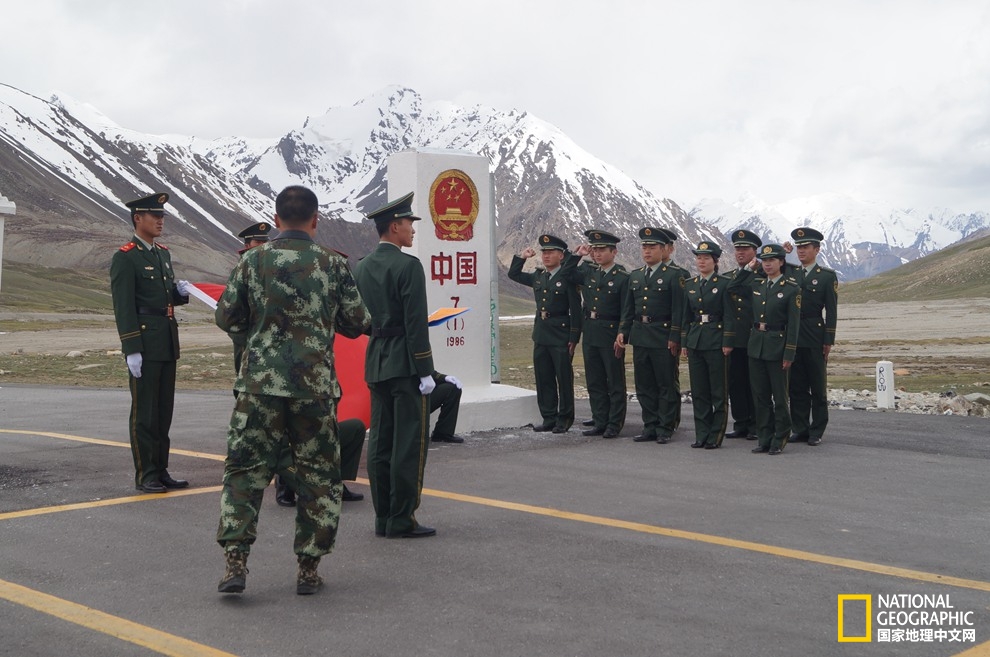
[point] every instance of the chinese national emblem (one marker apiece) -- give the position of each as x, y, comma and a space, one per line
454, 206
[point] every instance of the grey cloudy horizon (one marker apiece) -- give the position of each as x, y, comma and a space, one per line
880, 100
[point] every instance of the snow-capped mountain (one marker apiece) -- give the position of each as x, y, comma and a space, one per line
862, 238
68, 168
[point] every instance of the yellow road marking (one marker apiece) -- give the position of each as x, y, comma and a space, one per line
982, 650
140, 635
111, 443
42, 510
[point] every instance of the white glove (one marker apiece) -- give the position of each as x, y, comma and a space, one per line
183, 287
426, 385
134, 364
454, 380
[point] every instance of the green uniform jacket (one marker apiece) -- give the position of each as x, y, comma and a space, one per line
394, 288
780, 309
143, 279
740, 305
289, 298
819, 291
708, 322
558, 304
603, 294
661, 302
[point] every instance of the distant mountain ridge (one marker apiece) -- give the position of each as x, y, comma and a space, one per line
68, 167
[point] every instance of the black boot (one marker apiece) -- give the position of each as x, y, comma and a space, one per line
284, 496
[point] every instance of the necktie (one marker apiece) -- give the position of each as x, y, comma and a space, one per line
649, 274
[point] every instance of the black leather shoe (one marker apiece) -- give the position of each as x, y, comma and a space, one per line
814, 440
446, 438
645, 438
546, 426
663, 440
697, 444
152, 487
752, 436
284, 496
560, 429
168, 482
760, 450
774, 451
610, 433
419, 531
597, 431
588, 423
711, 445
349, 496
737, 434
798, 438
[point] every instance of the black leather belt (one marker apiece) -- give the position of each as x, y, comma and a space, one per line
168, 311
761, 326
707, 318
388, 332
651, 319
546, 314
597, 315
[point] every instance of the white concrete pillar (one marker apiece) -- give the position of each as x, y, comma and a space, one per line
6, 207
885, 384
455, 242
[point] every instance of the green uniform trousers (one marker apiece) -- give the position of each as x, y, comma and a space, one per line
709, 370
809, 392
554, 384
446, 397
655, 375
606, 379
259, 427
152, 402
773, 420
397, 444
350, 434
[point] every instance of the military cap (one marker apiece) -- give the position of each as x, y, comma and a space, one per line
806, 236
746, 238
260, 232
768, 251
651, 235
152, 203
671, 235
708, 248
549, 243
400, 208
601, 238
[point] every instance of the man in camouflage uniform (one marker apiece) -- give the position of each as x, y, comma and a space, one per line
603, 287
809, 381
740, 292
776, 301
556, 331
145, 293
651, 323
288, 298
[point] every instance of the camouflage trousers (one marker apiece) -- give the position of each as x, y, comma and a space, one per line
259, 428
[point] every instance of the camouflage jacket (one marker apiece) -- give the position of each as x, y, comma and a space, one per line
289, 298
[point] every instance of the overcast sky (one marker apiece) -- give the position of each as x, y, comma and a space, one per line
883, 100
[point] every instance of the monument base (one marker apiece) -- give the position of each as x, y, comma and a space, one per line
496, 406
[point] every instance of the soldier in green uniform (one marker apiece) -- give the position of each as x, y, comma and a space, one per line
667, 260
446, 398
290, 298
144, 294
809, 380
740, 292
603, 286
651, 323
706, 339
556, 332
772, 343
399, 371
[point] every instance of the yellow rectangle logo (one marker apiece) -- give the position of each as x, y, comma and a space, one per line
867, 637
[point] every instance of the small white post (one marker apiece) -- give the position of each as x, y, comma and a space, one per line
885, 384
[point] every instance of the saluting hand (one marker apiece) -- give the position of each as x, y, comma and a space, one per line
528, 253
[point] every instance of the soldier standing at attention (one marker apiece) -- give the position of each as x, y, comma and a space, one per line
603, 286
290, 298
809, 380
399, 372
772, 343
706, 339
556, 331
667, 259
741, 309
651, 323
144, 294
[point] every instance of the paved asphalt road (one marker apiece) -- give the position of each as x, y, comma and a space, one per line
546, 545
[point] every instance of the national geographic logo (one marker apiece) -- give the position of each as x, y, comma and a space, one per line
902, 618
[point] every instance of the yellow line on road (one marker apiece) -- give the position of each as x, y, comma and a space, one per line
42, 510
119, 628
110, 443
